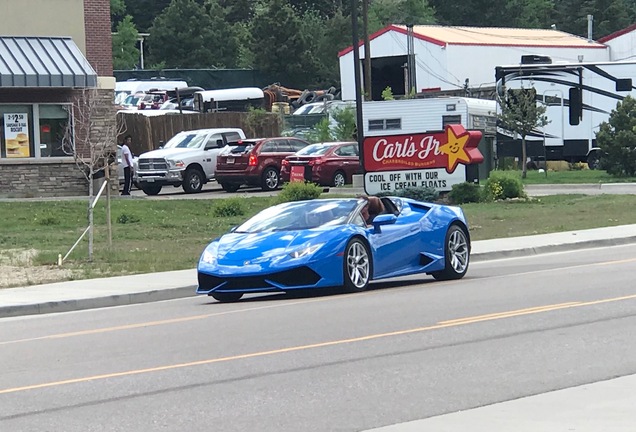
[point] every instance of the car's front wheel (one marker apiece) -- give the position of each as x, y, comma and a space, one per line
357, 266
227, 297
456, 254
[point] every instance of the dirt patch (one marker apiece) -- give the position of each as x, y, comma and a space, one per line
17, 269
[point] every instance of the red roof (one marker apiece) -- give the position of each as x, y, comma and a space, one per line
618, 33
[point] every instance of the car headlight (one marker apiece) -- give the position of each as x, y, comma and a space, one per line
209, 254
175, 163
305, 250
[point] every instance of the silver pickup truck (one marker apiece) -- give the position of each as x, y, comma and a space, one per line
187, 160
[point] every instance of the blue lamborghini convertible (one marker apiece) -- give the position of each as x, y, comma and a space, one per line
327, 243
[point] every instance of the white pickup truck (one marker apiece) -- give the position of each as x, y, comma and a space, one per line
188, 159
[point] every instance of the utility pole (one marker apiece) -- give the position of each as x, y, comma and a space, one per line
367, 50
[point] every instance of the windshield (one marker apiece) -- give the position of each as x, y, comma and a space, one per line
300, 215
186, 140
314, 150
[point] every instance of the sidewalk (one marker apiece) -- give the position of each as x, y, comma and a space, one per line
600, 406
143, 288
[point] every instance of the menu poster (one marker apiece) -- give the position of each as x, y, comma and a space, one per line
16, 135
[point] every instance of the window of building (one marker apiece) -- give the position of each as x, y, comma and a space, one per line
385, 124
53, 123
32, 131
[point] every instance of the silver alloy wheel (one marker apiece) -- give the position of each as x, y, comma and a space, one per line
195, 182
339, 180
458, 251
271, 179
358, 264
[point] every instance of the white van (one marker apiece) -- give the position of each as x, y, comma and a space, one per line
234, 99
125, 88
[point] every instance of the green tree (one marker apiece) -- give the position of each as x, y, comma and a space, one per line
125, 52
185, 36
609, 16
144, 12
279, 44
520, 115
385, 12
238, 11
117, 12
617, 140
530, 13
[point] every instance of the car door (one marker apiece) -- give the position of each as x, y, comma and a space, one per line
213, 146
396, 246
348, 160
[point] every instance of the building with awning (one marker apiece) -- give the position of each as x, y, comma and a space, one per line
51, 55
54, 62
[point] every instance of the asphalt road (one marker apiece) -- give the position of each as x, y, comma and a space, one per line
408, 349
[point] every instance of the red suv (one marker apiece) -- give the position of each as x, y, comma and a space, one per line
328, 164
254, 162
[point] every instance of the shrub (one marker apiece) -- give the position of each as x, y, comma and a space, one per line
228, 208
617, 140
124, 219
48, 220
503, 185
465, 192
297, 191
420, 194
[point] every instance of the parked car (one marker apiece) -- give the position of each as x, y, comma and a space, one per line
188, 159
327, 243
255, 162
326, 164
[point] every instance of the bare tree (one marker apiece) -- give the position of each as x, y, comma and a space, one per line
91, 138
520, 115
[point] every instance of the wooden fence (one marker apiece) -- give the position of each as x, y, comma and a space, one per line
149, 132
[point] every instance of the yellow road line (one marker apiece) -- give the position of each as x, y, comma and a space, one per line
160, 322
440, 325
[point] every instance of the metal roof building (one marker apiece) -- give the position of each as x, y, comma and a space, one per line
451, 58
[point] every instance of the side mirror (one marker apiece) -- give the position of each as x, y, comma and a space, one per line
383, 219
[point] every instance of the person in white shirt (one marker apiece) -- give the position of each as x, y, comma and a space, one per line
127, 162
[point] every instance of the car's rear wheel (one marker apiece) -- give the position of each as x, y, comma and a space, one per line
228, 297
193, 181
456, 254
270, 180
150, 189
357, 266
230, 187
339, 179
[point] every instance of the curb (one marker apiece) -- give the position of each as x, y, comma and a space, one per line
539, 250
97, 302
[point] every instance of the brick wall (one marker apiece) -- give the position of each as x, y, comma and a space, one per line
99, 49
42, 178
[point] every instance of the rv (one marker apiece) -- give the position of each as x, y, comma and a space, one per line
234, 99
578, 98
123, 89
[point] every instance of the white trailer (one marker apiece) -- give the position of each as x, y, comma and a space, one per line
578, 98
428, 115
411, 116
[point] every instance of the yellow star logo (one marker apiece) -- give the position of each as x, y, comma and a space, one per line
455, 149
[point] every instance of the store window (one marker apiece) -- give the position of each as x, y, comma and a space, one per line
16, 131
53, 123
32, 131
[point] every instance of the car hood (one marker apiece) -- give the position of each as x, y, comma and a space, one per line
166, 153
240, 247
